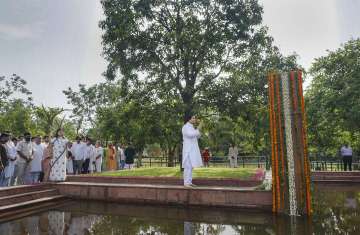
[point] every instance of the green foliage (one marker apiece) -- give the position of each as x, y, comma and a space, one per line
15, 105
179, 47
18, 114
167, 58
333, 100
13, 88
17, 118
47, 118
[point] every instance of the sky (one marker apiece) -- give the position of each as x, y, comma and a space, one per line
57, 44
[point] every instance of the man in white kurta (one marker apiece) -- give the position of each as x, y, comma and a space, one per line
35, 164
99, 152
10, 168
69, 160
191, 156
90, 154
78, 152
233, 155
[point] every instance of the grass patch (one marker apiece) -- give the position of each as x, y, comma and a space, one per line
242, 173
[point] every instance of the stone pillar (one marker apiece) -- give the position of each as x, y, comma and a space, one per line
290, 163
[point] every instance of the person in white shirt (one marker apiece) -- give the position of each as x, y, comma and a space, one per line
191, 156
77, 150
346, 153
233, 155
122, 156
25, 150
69, 160
99, 152
118, 156
35, 164
13, 156
89, 157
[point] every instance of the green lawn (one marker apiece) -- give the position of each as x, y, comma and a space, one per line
242, 173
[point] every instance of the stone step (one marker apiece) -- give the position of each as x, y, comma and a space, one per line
18, 210
23, 189
222, 182
23, 197
335, 176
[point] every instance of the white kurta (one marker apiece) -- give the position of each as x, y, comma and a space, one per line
98, 162
69, 164
90, 154
191, 151
58, 171
12, 154
35, 164
233, 154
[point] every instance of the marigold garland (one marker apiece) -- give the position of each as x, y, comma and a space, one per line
304, 136
286, 108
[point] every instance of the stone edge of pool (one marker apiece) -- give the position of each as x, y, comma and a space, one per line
230, 193
208, 196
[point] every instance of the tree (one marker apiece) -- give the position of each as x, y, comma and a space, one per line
333, 99
47, 117
15, 105
13, 88
16, 117
178, 46
86, 101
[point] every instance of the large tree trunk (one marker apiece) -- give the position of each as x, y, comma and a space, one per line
187, 98
171, 154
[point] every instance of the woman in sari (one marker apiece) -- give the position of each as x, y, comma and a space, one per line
58, 162
47, 156
111, 153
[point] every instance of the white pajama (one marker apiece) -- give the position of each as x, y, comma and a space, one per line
98, 164
233, 162
187, 171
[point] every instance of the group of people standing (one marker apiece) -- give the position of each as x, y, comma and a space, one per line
120, 157
29, 160
83, 156
32, 159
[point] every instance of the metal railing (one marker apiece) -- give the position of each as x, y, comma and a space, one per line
330, 163
316, 163
216, 161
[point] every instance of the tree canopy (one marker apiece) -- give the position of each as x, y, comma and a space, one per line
333, 99
178, 47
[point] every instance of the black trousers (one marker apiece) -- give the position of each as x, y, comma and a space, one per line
86, 166
347, 162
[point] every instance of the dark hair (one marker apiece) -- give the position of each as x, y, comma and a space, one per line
45, 136
57, 132
78, 138
14, 139
188, 117
4, 135
27, 133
